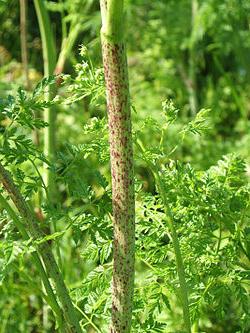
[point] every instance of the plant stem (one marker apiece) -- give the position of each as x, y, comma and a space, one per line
192, 87
48, 43
49, 60
195, 327
35, 258
67, 45
121, 155
178, 255
177, 250
23, 35
220, 238
88, 320
44, 249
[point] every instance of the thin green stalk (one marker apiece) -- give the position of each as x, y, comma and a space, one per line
39, 175
195, 327
220, 238
88, 320
67, 45
44, 250
23, 37
63, 22
48, 43
178, 255
49, 59
177, 250
35, 258
115, 20
192, 86
51, 66
121, 156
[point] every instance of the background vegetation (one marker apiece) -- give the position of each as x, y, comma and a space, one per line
184, 56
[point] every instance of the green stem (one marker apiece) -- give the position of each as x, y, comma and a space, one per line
121, 156
178, 255
219, 240
52, 67
177, 250
195, 327
44, 249
115, 20
39, 175
63, 23
23, 36
88, 320
49, 60
35, 258
67, 45
48, 43
192, 87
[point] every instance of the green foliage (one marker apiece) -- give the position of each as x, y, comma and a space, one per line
209, 209
89, 81
202, 160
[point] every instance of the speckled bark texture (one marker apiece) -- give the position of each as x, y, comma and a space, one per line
121, 155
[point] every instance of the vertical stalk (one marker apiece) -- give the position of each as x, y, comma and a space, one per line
192, 87
67, 45
195, 327
183, 294
23, 36
36, 260
178, 255
49, 63
44, 250
49, 59
48, 43
121, 155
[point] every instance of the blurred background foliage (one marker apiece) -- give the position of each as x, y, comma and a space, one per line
195, 52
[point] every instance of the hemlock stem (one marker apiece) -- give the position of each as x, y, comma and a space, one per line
121, 156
